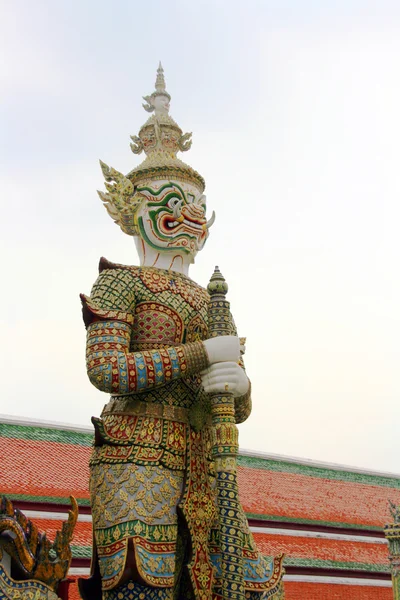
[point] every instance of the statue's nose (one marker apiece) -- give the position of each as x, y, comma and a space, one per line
195, 210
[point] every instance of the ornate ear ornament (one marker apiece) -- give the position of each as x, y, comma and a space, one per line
120, 201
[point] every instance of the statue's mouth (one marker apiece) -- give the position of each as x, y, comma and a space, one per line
168, 223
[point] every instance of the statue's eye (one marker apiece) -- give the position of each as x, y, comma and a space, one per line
173, 202
201, 201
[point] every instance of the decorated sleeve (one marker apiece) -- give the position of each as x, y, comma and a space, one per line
111, 367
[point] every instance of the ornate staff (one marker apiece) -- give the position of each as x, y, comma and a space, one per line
224, 451
392, 534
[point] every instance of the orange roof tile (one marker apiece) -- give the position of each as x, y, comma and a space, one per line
82, 532
42, 468
46, 464
299, 497
73, 592
295, 590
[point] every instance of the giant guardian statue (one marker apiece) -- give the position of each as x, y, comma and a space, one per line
167, 520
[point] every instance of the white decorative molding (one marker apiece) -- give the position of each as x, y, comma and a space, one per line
55, 516
74, 571
29, 422
320, 535
79, 571
338, 580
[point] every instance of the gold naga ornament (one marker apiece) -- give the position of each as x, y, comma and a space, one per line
40, 564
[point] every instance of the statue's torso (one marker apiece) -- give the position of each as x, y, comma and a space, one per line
151, 427
169, 309
153, 447
143, 439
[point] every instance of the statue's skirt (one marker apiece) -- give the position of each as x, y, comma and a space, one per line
161, 495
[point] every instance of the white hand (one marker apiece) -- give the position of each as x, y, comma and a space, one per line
223, 348
225, 377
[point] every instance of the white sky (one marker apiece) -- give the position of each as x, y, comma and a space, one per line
294, 108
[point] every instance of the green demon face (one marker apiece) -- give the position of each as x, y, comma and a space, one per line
172, 218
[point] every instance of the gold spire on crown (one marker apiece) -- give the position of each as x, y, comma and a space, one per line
161, 138
151, 102
160, 80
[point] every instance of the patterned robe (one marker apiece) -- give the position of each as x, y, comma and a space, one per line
152, 480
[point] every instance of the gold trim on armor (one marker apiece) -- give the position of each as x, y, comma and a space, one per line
130, 406
196, 356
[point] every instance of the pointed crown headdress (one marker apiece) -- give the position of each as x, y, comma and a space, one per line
160, 138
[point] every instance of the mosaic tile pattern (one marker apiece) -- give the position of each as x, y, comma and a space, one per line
10, 589
144, 331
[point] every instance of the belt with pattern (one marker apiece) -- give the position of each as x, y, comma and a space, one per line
131, 406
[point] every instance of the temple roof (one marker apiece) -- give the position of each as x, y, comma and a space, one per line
272, 487
326, 518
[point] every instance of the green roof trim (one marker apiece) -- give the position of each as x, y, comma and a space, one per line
335, 564
45, 434
47, 499
283, 519
81, 551
269, 464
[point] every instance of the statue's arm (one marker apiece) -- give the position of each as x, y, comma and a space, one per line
111, 367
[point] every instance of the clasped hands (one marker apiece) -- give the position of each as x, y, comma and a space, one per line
224, 373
